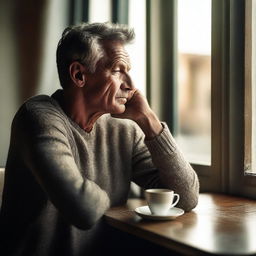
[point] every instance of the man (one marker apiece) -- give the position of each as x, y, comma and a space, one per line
73, 155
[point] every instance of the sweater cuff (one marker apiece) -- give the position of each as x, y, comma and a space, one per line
163, 143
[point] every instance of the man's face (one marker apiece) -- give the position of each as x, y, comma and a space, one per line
110, 87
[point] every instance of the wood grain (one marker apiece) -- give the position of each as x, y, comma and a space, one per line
219, 225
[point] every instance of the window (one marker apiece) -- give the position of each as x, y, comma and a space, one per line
137, 50
241, 180
99, 10
194, 80
220, 162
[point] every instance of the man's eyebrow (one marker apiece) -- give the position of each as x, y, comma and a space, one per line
119, 61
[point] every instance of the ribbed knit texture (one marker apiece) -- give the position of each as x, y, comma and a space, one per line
60, 180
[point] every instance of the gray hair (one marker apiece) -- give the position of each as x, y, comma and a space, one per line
83, 43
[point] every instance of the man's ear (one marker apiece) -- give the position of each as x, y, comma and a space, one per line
77, 73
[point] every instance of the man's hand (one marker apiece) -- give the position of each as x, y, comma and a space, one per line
138, 110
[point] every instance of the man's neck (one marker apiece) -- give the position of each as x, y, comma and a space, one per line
74, 105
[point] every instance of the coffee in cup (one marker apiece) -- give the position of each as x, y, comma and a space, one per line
160, 201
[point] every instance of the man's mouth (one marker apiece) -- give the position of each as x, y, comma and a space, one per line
121, 100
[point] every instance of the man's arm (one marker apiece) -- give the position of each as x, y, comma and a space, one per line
158, 163
169, 169
47, 153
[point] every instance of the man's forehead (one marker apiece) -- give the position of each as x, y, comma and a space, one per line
116, 51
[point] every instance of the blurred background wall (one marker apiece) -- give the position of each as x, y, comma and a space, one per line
29, 35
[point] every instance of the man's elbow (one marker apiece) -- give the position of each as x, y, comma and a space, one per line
189, 201
190, 206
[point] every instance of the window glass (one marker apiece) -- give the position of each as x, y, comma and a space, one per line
194, 80
99, 10
137, 50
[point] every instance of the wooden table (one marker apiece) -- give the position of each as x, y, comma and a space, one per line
219, 225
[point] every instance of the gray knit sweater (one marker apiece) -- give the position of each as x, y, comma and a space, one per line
60, 180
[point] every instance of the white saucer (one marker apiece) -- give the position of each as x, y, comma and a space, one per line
145, 213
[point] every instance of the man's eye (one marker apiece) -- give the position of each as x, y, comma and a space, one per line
116, 72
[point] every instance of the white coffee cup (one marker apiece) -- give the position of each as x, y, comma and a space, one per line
160, 201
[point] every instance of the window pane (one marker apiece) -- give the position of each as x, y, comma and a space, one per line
194, 80
99, 10
137, 50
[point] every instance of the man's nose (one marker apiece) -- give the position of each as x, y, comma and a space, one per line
127, 83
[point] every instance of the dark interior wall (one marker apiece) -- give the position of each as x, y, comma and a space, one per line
28, 19
29, 34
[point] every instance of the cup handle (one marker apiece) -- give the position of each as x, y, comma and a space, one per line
177, 199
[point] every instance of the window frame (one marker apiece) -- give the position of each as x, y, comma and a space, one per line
226, 173
160, 76
249, 103
248, 88
240, 183
212, 178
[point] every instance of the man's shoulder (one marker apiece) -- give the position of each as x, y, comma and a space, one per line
39, 107
40, 102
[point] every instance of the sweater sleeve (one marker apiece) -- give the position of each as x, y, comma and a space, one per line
160, 163
47, 153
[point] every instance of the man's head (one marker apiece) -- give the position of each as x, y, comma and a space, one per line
85, 43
